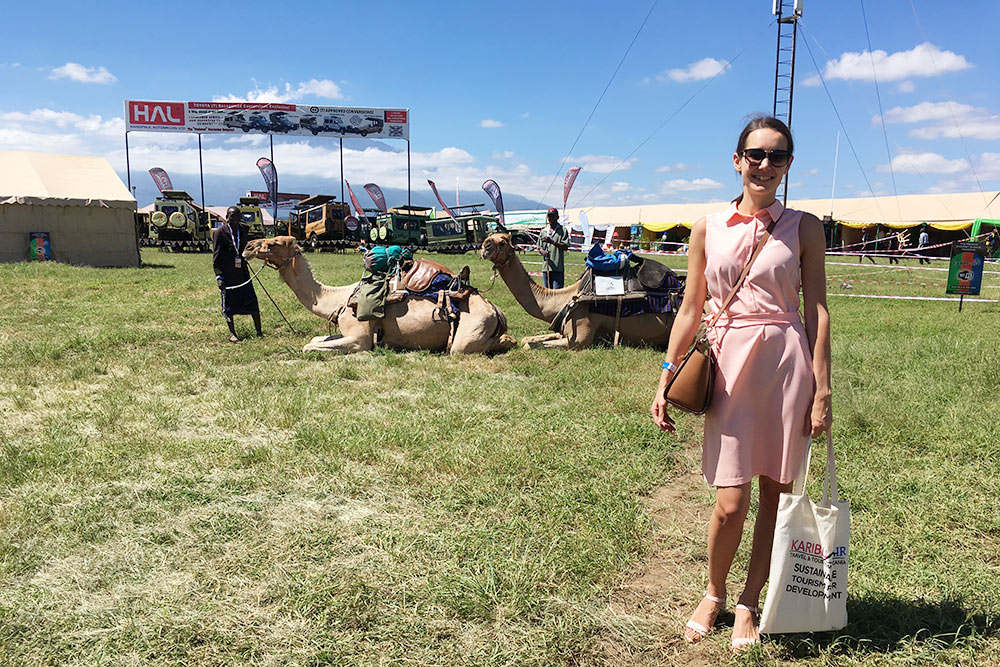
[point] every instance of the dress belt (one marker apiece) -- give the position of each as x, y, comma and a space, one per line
737, 320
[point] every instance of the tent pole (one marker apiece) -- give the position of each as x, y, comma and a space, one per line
408, 172
342, 170
201, 173
128, 169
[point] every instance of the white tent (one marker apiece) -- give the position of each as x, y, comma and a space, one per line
80, 201
941, 211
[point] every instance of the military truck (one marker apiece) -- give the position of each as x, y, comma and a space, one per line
418, 226
251, 216
178, 223
325, 223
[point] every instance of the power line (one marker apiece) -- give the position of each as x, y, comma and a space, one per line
840, 120
951, 111
675, 112
881, 114
599, 99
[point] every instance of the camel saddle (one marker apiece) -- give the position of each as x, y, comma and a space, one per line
641, 277
425, 276
648, 287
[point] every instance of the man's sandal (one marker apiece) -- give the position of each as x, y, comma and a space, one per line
741, 644
699, 630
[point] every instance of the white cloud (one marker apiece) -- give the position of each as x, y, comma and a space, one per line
680, 166
313, 87
925, 163
906, 87
683, 185
504, 155
811, 172
987, 127
81, 74
950, 120
488, 122
67, 132
921, 61
925, 111
989, 166
602, 164
706, 68
525, 114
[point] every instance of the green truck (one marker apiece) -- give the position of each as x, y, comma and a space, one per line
418, 226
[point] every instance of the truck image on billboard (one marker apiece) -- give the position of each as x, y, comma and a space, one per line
266, 118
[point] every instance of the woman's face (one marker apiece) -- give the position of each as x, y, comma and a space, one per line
763, 177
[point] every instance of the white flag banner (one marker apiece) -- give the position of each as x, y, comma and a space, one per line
609, 235
588, 231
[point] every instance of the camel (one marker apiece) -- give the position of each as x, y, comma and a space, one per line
411, 324
580, 328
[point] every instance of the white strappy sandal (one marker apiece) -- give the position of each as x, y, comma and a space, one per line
700, 630
740, 644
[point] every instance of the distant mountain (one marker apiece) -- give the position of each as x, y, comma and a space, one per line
226, 190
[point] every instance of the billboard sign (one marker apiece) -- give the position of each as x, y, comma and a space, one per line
284, 198
266, 118
965, 272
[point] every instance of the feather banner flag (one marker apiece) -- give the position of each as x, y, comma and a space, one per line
568, 183
354, 200
375, 192
443, 205
161, 179
491, 188
270, 175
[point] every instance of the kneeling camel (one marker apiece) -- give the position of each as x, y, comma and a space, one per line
415, 323
580, 328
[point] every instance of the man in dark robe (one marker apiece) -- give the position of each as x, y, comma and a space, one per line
231, 273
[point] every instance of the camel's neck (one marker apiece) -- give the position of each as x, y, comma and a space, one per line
322, 300
538, 301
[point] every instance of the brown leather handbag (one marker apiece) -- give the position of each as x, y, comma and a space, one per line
690, 387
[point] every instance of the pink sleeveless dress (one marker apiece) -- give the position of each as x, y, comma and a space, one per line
764, 386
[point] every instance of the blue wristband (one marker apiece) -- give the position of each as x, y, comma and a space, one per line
667, 366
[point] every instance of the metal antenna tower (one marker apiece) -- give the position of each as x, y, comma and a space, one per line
788, 13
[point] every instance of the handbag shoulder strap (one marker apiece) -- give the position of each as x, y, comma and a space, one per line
746, 270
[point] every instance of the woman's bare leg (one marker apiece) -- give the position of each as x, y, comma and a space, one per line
725, 530
760, 555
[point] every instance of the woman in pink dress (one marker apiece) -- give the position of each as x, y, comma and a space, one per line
772, 388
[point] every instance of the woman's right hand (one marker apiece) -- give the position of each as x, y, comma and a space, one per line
659, 411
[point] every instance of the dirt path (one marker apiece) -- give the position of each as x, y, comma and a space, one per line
661, 592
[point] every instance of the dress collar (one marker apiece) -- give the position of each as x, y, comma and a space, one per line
773, 211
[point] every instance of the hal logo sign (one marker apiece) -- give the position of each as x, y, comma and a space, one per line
156, 113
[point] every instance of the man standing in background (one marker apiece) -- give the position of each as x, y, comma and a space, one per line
552, 243
231, 273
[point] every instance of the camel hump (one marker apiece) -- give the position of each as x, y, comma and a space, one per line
422, 274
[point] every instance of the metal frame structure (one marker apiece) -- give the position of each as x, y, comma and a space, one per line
788, 13
201, 170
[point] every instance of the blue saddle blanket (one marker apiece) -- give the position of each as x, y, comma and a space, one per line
602, 262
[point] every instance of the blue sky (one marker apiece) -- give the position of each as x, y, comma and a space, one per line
502, 91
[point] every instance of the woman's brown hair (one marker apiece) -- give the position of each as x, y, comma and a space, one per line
768, 123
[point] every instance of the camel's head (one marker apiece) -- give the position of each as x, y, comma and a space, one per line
276, 252
497, 248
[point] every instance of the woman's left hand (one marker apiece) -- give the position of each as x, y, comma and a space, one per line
821, 416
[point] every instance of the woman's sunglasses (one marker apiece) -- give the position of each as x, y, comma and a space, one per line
755, 156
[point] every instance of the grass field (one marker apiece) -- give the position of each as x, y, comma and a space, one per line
169, 498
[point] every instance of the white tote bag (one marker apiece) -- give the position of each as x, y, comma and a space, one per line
808, 580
